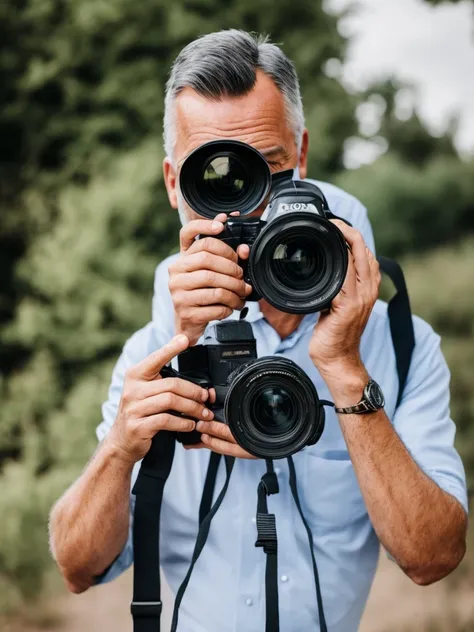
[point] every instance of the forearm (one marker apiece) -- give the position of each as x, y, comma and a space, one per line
89, 524
418, 523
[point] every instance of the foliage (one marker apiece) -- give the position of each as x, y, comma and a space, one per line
84, 217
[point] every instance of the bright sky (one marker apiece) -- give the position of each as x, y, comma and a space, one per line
432, 47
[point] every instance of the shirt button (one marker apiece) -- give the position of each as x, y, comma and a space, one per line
284, 578
249, 601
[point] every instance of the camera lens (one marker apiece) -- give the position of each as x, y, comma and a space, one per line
272, 408
224, 176
299, 262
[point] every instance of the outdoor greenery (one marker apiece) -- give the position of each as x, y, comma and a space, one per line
84, 220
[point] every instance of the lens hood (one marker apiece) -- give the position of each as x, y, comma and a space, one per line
272, 408
225, 176
299, 262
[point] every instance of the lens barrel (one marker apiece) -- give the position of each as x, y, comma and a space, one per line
299, 262
272, 408
224, 176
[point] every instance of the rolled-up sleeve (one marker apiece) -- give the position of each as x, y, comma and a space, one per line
423, 419
141, 344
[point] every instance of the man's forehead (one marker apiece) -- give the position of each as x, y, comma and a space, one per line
258, 118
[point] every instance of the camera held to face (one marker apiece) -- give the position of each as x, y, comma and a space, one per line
298, 258
270, 405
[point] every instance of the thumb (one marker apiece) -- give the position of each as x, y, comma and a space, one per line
149, 368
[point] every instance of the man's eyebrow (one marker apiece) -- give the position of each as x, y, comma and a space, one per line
271, 152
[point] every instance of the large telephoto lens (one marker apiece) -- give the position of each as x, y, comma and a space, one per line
272, 408
224, 176
299, 262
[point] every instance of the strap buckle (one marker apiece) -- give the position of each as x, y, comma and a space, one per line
146, 609
266, 531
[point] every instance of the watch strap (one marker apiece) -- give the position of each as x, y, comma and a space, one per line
361, 407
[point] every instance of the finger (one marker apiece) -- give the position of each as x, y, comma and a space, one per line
374, 273
214, 246
224, 447
243, 251
176, 403
216, 429
206, 260
165, 421
349, 287
200, 279
357, 244
150, 367
209, 296
194, 446
175, 385
204, 315
191, 230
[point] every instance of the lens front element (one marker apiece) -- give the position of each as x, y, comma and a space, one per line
298, 263
224, 176
272, 408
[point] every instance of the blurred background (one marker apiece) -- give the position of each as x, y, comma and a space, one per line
388, 89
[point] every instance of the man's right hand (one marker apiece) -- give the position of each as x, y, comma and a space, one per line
206, 283
147, 397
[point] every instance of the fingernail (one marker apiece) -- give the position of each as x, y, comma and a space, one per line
205, 395
217, 225
248, 288
182, 339
200, 425
206, 413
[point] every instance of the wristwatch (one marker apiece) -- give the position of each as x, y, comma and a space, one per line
372, 400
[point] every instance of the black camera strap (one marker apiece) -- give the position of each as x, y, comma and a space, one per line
267, 539
209, 485
401, 322
148, 489
202, 538
294, 491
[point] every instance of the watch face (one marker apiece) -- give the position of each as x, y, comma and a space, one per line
375, 396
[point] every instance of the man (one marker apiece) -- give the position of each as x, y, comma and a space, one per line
392, 476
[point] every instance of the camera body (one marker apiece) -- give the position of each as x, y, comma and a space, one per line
298, 258
296, 208
270, 405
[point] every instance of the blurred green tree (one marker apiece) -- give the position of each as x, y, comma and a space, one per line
84, 218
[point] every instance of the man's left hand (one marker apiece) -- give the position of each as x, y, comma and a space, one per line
334, 346
216, 436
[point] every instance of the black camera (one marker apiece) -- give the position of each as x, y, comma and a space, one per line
298, 258
270, 404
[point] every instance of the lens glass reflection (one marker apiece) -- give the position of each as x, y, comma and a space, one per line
297, 263
224, 177
273, 410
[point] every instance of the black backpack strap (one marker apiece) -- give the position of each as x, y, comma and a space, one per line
209, 485
401, 322
148, 489
201, 540
319, 598
267, 539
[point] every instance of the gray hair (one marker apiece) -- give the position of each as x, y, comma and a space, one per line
225, 64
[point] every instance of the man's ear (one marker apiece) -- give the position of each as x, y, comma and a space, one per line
171, 181
303, 157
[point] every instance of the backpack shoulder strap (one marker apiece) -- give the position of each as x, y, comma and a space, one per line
148, 489
401, 322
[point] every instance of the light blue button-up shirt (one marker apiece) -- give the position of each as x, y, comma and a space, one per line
226, 591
